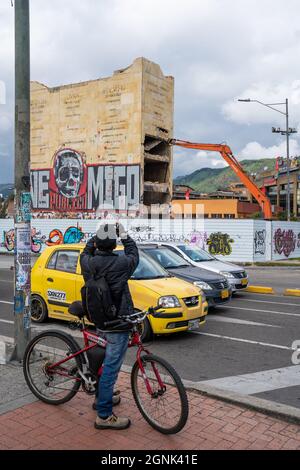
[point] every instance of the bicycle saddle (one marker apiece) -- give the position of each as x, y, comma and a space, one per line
76, 309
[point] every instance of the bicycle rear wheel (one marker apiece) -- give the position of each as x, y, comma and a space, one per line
166, 409
60, 384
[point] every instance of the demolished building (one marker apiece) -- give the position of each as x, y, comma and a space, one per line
103, 142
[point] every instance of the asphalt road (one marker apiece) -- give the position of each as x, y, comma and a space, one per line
245, 346
280, 278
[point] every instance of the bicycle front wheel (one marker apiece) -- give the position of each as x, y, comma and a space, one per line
52, 385
165, 407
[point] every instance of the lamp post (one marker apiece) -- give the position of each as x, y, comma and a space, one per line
287, 132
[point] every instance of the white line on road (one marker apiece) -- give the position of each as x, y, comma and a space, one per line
265, 311
4, 302
259, 381
226, 319
41, 328
269, 302
243, 295
276, 346
9, 282
6, 339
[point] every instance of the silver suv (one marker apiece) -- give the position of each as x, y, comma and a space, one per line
236, 276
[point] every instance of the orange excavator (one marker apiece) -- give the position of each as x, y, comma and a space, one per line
228, 156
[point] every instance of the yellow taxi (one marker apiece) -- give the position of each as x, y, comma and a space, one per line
57, 280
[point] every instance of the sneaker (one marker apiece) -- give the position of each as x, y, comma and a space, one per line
112, 422
116, 401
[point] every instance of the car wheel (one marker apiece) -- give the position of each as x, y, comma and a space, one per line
39, 311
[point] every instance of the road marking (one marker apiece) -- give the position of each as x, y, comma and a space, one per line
9, 282
269, 302
261, 295
4, 302
7, 339
276, 346
7, 321
266, 311
259, 382
226, 319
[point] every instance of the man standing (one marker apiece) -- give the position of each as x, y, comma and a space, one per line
117, 268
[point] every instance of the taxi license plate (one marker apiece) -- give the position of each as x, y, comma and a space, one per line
225, 294
244, 282
193, 324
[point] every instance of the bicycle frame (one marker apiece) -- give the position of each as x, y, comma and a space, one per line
96, 340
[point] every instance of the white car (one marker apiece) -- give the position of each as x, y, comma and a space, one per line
237, 277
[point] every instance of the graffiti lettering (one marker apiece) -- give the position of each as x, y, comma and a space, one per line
220, 244
260, 242
284, 242
72, 186
72, 235
56, 237
199, 239
9, 240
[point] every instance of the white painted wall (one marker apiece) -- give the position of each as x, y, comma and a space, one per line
232, 240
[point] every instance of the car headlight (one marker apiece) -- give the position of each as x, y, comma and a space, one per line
169, 301
227, 275
203, 285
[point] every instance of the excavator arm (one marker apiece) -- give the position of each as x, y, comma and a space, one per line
228, 156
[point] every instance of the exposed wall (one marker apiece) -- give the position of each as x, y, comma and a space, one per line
87, 139
232, 240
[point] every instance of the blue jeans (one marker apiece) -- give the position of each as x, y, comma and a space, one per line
116, 348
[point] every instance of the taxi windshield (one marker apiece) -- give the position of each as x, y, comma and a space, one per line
147, 268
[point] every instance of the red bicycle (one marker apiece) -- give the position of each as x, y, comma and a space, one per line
56, 367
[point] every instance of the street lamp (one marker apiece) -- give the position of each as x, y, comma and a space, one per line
287, 132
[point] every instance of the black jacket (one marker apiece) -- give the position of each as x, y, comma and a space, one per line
117, 269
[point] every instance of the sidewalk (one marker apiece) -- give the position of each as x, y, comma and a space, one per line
212, 424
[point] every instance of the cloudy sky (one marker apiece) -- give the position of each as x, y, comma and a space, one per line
217, 50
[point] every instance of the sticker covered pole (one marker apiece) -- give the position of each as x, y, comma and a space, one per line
22, 315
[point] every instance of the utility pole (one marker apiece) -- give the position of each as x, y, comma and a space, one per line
287, 132
22, 316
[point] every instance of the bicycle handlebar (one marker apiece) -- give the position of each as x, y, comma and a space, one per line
112, 323
122, 321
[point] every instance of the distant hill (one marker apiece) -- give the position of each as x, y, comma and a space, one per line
208, 180
6, 189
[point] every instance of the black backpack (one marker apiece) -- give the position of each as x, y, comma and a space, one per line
97, 300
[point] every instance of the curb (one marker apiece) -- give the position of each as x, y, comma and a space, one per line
260, 290
267, 407
270, 408
292, 292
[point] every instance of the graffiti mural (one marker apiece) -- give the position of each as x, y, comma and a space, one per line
72, 185
56, 237
220, 244
37, 240
146, 233
9, 240
260, 242
72, 235
284, 242
199, 239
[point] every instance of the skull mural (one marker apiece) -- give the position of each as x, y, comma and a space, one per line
68, 172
